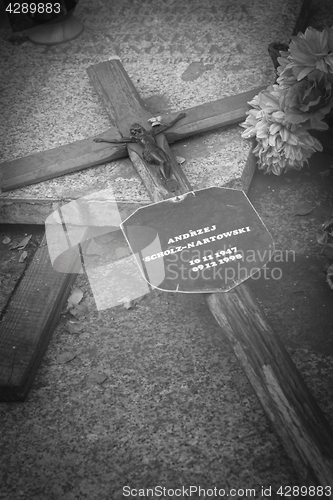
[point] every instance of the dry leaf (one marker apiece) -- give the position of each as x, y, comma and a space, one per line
321, 237
97, 378
328, 226
73, 327
330, 276
129, 305
74, 298
23, 256
328, 250
304, 209
325, 238
6, 240
65, 357
22, 243
79, 311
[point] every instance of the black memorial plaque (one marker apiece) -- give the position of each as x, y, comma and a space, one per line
204, 241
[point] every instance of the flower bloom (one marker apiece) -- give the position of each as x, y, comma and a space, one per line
283, 114
307, 52
281, 145
309, 100
275, 155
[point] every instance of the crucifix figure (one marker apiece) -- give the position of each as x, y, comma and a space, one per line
151, 152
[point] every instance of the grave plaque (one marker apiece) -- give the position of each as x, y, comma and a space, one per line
204, 241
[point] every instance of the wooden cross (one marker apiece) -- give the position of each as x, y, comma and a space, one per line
86, 153
282, 392
287, 401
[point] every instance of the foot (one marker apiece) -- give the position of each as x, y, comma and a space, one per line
171, 185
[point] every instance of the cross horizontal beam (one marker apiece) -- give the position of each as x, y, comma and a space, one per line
86, 153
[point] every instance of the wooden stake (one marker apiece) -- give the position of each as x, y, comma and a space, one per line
28, 322
288, 403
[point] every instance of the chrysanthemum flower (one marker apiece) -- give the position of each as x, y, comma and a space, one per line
283, 114
309, 101
307, 52
275, 155
281, 145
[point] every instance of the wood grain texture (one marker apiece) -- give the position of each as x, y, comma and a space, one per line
28, 322
211, 115
288, 403
36, 211
118, 95
250, 168
86, 153
125, 107
307, 10
25, 211
59, 161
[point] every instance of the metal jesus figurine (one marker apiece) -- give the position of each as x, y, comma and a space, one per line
152, 153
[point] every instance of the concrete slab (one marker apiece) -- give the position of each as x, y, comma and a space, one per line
178, 55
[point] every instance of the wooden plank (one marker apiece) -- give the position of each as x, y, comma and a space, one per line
59, 161
87, 153
288, 403
36, 210
28, 321
211, 115
25, 211
250, 168
308, 9
300, 425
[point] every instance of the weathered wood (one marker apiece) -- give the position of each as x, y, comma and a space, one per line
30, 316
28, 322
124, 108
25, 211
306, 436
149, 173
59, 161
308, 9
87, 153
211, 115
248, 172
288, 403
36, 211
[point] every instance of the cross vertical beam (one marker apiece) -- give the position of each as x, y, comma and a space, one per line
288, 403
